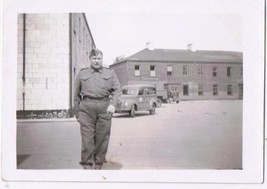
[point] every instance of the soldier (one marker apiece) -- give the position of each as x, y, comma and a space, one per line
96, 93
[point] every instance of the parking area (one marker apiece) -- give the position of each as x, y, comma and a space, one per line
188, 135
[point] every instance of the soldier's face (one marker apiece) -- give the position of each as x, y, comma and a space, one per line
96, 61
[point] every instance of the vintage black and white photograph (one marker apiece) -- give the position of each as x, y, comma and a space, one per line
174, 108
111, 90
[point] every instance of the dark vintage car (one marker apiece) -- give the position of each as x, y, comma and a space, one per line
138, 97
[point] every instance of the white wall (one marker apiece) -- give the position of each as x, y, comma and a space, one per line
47, 62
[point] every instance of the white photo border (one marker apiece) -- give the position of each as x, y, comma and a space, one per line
252, 12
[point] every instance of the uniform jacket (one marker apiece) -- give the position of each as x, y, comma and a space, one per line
96, 84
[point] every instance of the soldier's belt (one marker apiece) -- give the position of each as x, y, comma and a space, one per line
95, 98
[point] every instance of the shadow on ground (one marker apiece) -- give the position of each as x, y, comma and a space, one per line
137, 114
111, 165
22, 158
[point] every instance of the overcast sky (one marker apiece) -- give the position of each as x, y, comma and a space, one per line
125, 31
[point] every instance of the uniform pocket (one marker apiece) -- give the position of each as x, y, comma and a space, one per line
107, 81
85, 80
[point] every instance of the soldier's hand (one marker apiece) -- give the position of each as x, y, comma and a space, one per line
77, 117
111, 109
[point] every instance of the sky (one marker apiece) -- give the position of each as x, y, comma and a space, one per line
123, 32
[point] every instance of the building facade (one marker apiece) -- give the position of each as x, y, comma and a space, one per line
185, 74
52, 48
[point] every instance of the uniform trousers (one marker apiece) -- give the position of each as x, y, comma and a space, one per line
95, 125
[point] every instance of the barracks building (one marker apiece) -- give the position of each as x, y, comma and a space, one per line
185, 74
52, 48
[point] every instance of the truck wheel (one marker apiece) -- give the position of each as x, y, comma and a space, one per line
153, 110
159, 102
132, 112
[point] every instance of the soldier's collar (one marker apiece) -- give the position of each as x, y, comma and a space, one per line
96, 70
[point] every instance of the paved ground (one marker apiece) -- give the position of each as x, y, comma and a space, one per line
188, 135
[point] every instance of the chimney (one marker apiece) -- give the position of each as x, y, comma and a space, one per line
190, 47
149, 46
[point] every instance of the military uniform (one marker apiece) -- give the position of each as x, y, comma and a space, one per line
94, 91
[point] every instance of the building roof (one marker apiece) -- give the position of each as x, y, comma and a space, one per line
175, 55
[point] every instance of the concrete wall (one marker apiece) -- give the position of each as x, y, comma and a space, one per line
52, 48
46, 64
20, 87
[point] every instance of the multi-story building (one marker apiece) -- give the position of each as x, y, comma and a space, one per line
52, 48
186, 74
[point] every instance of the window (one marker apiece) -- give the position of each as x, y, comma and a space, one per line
169, 70
146, 91
137, 70
87, 44
152, 91
152, 71
89, 39
174, 89
229, 90
84, 39
214, 71
200, 90
185, 70
185, 90
141, 91
200, 71
215, 89
240, 90
228, 71
129, 91
80, 30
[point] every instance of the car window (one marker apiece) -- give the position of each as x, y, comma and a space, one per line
129, 91
146, 91
141, 91
152, 90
